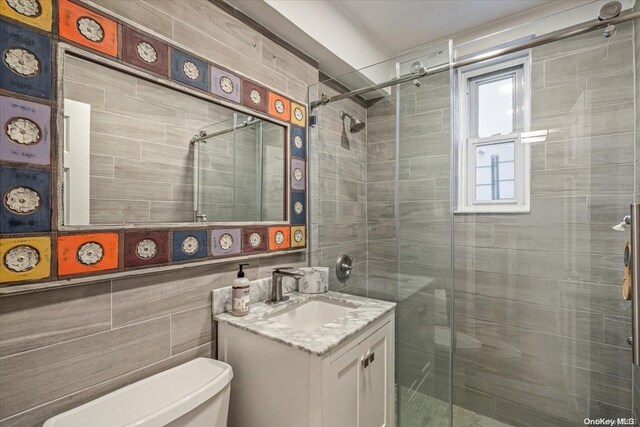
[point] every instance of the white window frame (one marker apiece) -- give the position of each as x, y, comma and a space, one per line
467, 82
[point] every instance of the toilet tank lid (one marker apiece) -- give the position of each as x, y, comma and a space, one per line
156, 400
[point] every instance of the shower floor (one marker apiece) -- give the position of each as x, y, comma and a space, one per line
426, 411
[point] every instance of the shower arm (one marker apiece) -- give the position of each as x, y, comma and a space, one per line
536, 41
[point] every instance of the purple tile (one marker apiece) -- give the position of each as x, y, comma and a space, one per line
298, 174
25, 133
225, 241
225, 84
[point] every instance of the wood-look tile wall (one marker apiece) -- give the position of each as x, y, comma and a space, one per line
338, 176
539, 291
547, 284
66, 346
62, 347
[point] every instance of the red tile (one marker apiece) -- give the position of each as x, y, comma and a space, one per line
254, 239
146, 248
145, 51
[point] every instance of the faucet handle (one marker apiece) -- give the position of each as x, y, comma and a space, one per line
277, 269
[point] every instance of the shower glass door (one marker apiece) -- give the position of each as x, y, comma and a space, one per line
544, 169
423, 149
380, 194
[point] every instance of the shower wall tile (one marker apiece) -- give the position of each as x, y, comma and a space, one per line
515, 414
581, 43
603, 90
582, 181
26, 65
87, 28
598, 410
589, 63
617, 330
34, 146
145, 52
598, 150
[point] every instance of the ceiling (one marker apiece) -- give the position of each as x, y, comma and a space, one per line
404, 24
350, 35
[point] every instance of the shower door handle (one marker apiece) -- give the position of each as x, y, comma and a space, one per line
635, 282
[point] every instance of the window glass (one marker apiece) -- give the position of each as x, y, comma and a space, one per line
495, 171
495, 107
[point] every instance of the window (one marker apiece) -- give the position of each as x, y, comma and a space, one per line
493, 160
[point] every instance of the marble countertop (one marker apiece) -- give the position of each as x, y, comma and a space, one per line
317, 341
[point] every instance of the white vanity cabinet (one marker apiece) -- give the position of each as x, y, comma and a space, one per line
276, 385
360, 383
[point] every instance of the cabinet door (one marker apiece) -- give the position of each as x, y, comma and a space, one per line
377, 379
346, 387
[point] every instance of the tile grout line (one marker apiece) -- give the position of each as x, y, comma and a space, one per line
101, 383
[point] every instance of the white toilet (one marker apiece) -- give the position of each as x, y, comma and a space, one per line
195, 394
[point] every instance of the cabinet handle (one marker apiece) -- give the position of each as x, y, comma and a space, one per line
635, 283
365, 362
372, 357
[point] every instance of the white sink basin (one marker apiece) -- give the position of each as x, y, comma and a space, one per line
312, 314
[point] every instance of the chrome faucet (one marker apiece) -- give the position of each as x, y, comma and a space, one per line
276, 284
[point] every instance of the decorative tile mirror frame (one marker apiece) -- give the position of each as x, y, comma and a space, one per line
34, 246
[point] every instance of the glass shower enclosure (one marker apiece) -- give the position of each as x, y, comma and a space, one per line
482, 199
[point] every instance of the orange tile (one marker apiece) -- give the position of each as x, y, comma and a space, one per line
83, 253
279, 238
279, 106
82, 26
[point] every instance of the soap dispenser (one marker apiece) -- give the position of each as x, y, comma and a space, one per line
240, 294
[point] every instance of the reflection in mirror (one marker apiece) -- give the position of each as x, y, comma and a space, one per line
130, 155
240, 170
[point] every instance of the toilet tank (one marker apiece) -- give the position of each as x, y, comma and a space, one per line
194, 394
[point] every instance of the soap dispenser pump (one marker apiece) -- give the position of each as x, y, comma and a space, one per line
240, 294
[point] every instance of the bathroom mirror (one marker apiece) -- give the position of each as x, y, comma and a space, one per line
138, 152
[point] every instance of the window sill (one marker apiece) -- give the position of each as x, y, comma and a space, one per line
494, 210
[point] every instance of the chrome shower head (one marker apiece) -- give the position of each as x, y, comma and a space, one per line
610, 10
355, 125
